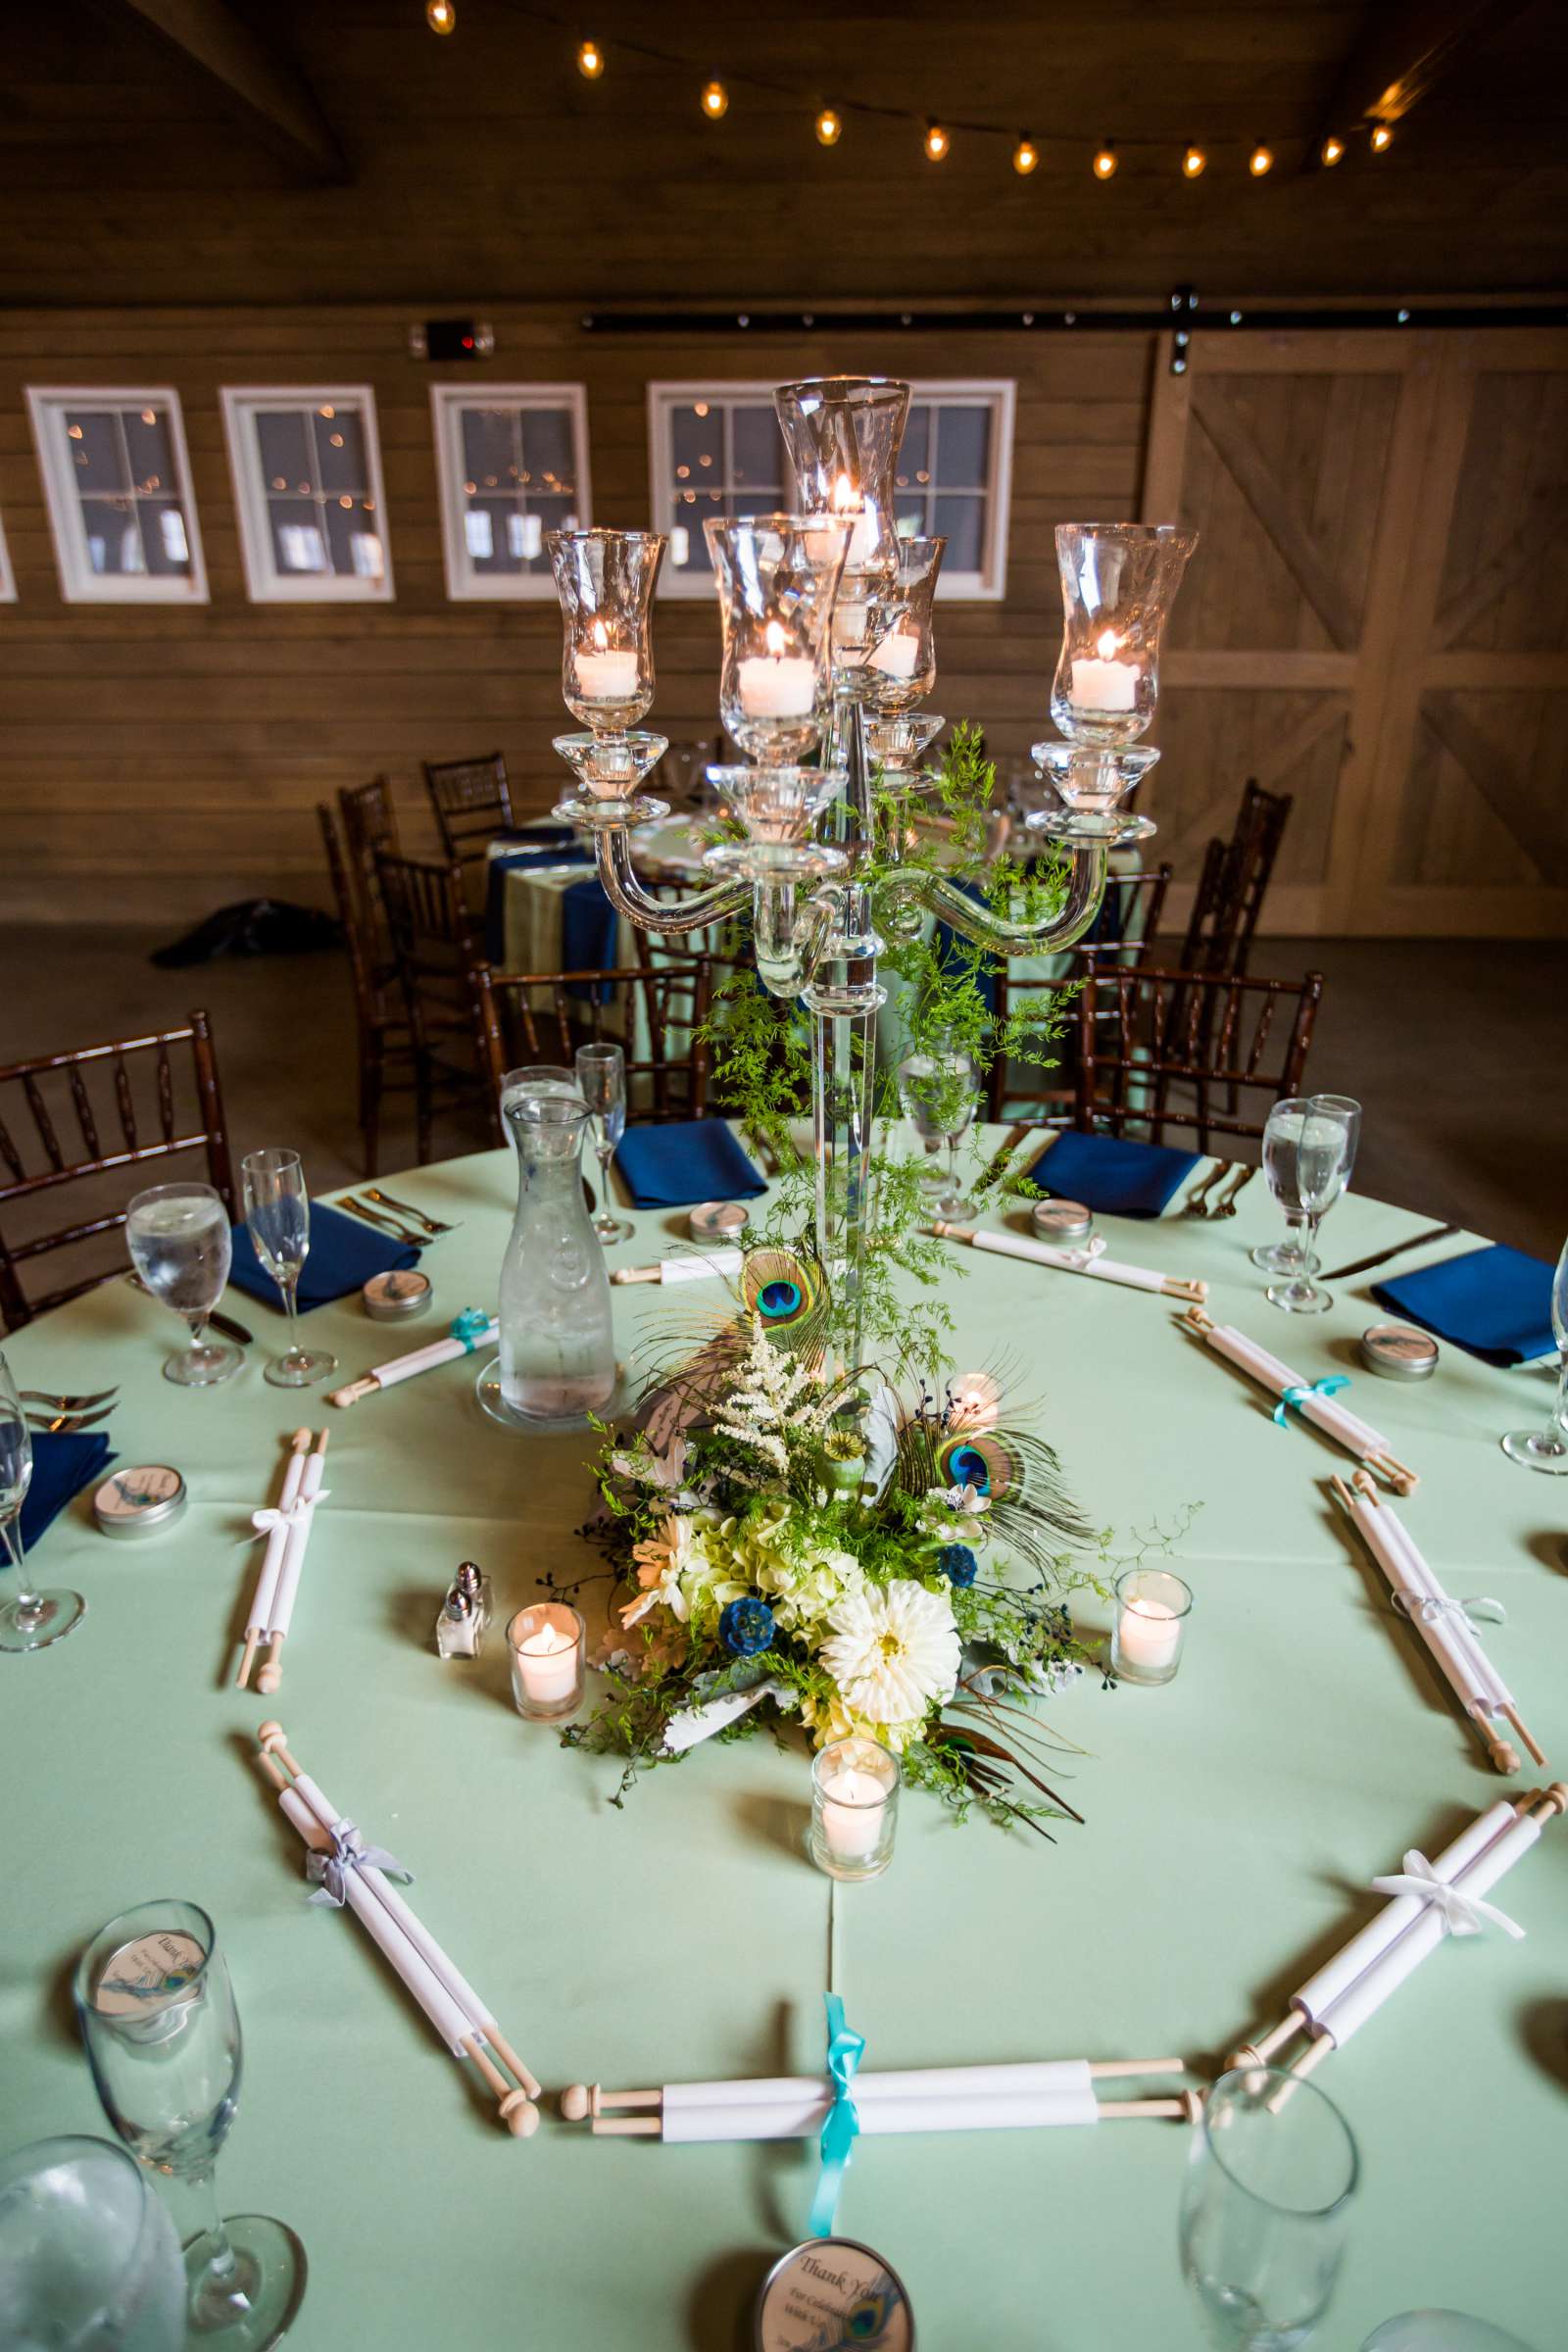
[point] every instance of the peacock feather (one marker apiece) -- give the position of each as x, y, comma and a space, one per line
787, 1291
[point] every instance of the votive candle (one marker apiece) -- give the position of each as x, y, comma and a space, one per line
547, 1643
1152, 1610
855, 1791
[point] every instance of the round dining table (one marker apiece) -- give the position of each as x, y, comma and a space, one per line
1234, 1820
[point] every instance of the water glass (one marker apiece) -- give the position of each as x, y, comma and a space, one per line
30, 1620
940, 1091
1547, 1449
602, 1078
88, 2259
181, 1245
1280, 1133
158, 2016
1308, 1158
1265, 2206
277, 1212
1441, 2331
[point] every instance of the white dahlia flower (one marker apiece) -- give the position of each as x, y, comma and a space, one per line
893, 1651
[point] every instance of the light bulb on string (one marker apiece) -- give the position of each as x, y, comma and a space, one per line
829, 124
1193, 163
1382, 137
1261, 160
937, 143
1331, 150
716, 101
1106, 162
590, 61
1025, 156
441, 16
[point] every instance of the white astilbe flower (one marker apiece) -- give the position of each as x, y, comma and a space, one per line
772, 1393
893, 1652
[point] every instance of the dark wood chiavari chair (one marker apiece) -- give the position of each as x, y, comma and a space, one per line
1124, 930
386, 1046
434, 947
1231, 885
525, 1018
51, 1090
1188, 1036
369, 826
473, 803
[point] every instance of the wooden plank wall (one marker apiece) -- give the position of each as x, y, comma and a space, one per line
156, 761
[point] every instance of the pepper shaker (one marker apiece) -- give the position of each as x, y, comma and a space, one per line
464, 1614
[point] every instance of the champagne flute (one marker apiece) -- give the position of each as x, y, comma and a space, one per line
1281, 1132
1314, 1160
158, 2016
1265, 2209
602, 1076
181, 1245
940, 1091
1547, 1449
277, 1212
33, 1620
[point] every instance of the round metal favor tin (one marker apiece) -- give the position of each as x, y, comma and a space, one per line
1063, 1221
719, 1221
833, 2290
140, 1501
1399, 1352
397, 1296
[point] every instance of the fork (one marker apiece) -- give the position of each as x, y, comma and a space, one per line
61, 1425
1226, 1207
67, 1404
384, 1224
432, 1225
1193, 1207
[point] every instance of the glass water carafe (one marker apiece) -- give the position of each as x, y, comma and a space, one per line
558, 1349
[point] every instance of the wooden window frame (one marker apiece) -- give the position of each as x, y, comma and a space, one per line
663, 398
447, 400
264, 584
79, 584
8, 578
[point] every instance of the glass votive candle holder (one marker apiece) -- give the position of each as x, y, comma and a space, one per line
548, 1647
1152, 1610
855, 1808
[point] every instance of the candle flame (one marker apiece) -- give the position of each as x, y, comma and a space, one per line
600, 636
773, 639
1108, 646
846, 499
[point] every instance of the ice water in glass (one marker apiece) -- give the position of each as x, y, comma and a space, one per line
181, 1245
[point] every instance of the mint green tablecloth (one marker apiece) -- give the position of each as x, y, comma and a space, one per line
1233, 1821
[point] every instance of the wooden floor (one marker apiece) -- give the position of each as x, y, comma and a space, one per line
1455, 1049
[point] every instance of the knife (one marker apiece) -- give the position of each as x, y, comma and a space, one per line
1381, 1258
1004, 1152
224, 1323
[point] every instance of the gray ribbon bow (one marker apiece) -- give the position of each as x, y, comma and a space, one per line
328, 1873
1431, 1611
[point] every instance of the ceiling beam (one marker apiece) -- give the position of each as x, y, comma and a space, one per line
260, 78
1406, 48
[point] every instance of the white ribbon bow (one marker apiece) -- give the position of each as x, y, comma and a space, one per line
1431, 1610
1462, 1914
1086, 1253
297, 1514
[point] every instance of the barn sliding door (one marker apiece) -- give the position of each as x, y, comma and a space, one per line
1375, 622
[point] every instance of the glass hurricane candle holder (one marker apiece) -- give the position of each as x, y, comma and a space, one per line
903, 663
841, 433
547, 1643
1118, 583
604, 581
854, 1806
778, 577
1152, 1612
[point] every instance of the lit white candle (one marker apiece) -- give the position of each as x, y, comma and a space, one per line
899, 655
1104, 684
547, 1661
777, 684
852, 1804
608, 677
846, 500
1148, 1635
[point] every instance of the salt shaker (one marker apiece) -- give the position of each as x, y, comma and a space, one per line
464, 1614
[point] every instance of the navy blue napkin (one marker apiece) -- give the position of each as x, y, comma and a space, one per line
957, 959
683, 1162
567, 851
588, 934
1110, 1173
344, 1254
1495, 1302
62, 1466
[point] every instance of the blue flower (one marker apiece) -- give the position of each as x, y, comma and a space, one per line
746, 1626
957, 1564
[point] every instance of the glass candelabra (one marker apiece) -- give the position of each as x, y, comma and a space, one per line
829, 651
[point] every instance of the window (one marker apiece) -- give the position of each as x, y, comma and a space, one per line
7, 585
954, 468
307, 474
712, 450
117, 483
512, 460
717, 449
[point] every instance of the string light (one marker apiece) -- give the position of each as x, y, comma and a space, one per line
1261, 160
829, 123
1192, 163
716, 101
1382, 136
590, 61
937, 143
1331, 150
1106, 162
440, 16
1025, 156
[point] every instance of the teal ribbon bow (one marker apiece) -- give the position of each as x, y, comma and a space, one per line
470, 1327
845, 2050
1326, 1387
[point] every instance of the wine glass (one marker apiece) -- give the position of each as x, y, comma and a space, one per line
1547, 1449
1271, 2171
1441, 2331
181, 1245
158, 2016
938, 1088
33, 1620
1310, 1160
277, 1211
602, 1076
88, 2258
1281, 1132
